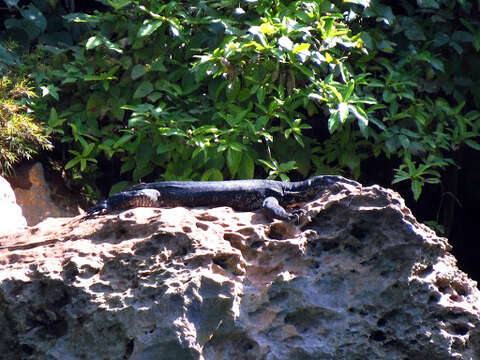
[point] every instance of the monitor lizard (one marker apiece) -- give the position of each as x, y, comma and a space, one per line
269, 196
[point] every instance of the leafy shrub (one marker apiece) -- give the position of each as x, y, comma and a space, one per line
208, 90
20, 135
420, 58
38, 23
200, 90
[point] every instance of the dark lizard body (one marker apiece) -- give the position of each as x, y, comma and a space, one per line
269, 196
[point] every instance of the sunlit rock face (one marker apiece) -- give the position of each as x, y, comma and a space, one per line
359, 279
11, 218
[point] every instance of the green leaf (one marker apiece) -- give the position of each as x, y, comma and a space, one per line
368, 40
137, 121
158, 65
462, 36
137, 71
212, 174
261, 122
118, 4
162, 148
417, 189
119, 186
404, 141
234, 159
413, 31
82, 141
266, 163
12, 3
285, 43
174, 29
385, 14
261, 94
68, 80
124, 139
236, 146
144, 155
316, 97
53, 119
473, 144
93, 42
300, 48
175, 132
364, 3
432, 4
72, 162
349, 91
155, 96
141, 172
267, 28
232, 89
128, 165
257, 31
88, 149
400, 178
112, 46
246, 168
437, 64
34, 15
143, 89
388, 96
95, 106
333, 122
386, 46
287, 166
139, 109
306, 71
149, 27
343, 111
336, 93
360, 114
476, 41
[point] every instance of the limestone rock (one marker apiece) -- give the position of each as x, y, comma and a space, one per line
10, 213
360, 280
34, 195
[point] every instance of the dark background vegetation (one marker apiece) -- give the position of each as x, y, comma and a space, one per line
130, 90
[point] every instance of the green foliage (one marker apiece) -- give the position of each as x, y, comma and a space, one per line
202, 90
20, 135
420, 60
38, 23
211, 90
8, 57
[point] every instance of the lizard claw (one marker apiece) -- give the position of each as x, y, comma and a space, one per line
296, 215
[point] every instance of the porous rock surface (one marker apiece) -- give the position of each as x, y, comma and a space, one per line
361, 279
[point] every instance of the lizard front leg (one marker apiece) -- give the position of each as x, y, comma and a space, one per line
126, 200
272, 208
